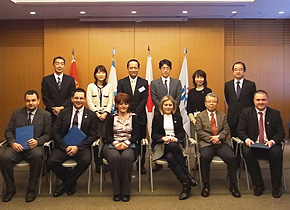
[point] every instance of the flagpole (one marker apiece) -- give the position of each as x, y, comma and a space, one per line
73, 54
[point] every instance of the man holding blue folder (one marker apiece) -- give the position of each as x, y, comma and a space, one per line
261, 128
29, 126
74, 132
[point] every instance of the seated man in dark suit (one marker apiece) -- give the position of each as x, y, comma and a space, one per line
86, 121
261, 124
212, 129
14, 152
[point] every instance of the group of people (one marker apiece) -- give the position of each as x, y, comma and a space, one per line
122, 131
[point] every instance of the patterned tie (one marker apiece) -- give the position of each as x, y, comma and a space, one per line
133, 86
238, 89
213, 125
261, 128
29, 118
75, 120
58, 83
165, 85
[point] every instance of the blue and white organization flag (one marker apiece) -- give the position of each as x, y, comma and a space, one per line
113, 80
183, 77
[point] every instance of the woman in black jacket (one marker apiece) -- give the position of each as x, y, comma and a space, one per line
168, 138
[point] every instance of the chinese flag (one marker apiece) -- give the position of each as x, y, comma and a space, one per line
73, 72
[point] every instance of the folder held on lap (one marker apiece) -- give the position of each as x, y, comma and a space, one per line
74, 136
23, 134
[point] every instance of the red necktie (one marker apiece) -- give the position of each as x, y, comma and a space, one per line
213, 125
261, 128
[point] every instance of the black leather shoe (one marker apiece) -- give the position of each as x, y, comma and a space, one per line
235, 191
30, 195
259, 190
117, 197
126, 198
60, 190
71, 190
276, 193
8, 196
157, 167
205, 190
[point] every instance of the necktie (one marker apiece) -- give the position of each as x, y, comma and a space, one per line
165, 85
261, 128
29, 118
213, 125
133, 86
75, 120
238, 89
58, 82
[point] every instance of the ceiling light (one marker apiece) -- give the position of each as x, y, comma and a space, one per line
234, 12
281, 12
184, 12
133, 12
33, 13
83, 12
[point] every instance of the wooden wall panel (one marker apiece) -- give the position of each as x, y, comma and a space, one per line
3, 122
286, 87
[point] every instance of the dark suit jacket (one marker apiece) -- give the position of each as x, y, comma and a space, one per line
52, 96
203, 128
158, 130
62, 124
158, 91
41, 123
236, 106
139, 99
109, 138
248, 125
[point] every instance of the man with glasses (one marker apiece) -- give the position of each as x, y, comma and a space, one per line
212, 129
85, 120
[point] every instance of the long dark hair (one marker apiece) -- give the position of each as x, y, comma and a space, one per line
103, 69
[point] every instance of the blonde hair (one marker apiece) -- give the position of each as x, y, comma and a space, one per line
163, 100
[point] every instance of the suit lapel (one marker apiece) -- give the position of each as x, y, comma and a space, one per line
161, 86
54, 82
128, 85
84, 120
24, 116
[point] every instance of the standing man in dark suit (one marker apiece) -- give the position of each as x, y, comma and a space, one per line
86, 121
163, 86
212, 129
239, 94
57, 88
261, 124
14, 152
137, 88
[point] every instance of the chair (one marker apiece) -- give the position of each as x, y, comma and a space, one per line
240, 144
216, 160
25, 165
105, 162
186, 151
71, 163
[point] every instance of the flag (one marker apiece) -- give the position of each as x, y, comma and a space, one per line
149, 105
113, 80
73, 72
183, 77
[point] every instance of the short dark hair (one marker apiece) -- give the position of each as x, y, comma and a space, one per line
103, 69
239, 62
80, 90
200, 73
261, 91
58, 57
165, 61
31, 92
131, 60
122, 97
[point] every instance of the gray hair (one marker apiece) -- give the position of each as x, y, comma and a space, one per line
212, 95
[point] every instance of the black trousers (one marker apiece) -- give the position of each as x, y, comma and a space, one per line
225, 152
173, 155
69, 176
10, 158
120, 167
275, 157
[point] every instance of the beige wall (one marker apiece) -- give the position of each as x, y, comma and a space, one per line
22, 66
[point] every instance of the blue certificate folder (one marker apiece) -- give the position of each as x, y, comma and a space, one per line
23, 134
74, 136
260, 145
